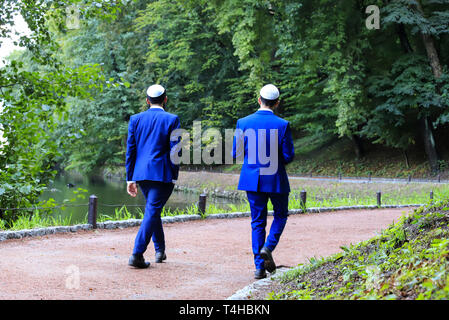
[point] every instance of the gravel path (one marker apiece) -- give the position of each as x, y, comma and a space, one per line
207, 259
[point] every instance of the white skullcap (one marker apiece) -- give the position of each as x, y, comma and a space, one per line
155, 91
269, 92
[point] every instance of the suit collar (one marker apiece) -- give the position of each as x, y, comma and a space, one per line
156, 108
268, 112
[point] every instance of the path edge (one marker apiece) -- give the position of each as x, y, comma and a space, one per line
246, 292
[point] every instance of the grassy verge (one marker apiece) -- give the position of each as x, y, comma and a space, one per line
317, 189
38, 219
409, 260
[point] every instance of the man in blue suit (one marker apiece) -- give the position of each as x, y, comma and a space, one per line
148, 166
264, 142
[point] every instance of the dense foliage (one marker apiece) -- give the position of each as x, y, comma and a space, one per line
338, 78
34, 88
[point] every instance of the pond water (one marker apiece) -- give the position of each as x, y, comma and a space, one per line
112, 195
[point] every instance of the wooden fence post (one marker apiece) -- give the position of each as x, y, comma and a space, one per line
431, 195
303, 198
92, 215
202, 204
379, 198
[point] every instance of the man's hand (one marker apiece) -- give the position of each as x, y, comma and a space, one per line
132, 189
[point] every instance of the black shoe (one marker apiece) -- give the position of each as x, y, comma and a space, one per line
138, 261
160, 256
269, 264
260, 274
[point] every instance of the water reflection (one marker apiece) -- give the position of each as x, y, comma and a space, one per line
111, 194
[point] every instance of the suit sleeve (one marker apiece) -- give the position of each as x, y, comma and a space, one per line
131, 150
175, 167
288, 150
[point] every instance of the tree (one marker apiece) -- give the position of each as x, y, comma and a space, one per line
409, 95
34, 87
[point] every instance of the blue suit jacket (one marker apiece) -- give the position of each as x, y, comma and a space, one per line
251, 178
149, 146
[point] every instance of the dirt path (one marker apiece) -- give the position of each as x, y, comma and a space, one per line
208, 259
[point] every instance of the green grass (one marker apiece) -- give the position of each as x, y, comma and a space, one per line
409, 260
119, 214
35, 220
333, 194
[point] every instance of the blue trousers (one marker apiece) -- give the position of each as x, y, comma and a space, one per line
258, 203
156, 195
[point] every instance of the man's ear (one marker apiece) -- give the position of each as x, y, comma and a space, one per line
148, 101
259, 101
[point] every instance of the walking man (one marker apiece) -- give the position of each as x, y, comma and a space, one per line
148, 166
264, 142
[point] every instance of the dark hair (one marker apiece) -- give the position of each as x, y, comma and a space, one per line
269, 103
158, 100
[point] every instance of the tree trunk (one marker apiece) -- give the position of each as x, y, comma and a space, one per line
400, 29
437, 71
407, 163
426, 129
358, 146
429, 144
432, 53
